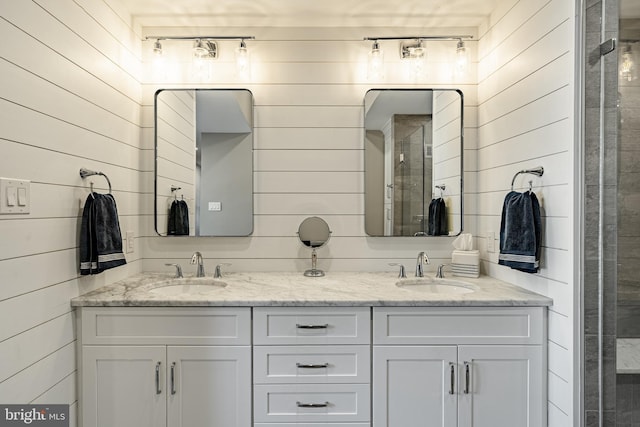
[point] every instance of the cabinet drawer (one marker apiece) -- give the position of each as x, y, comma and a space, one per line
312, 364
313, 325
464, 325
163, 325
295, 403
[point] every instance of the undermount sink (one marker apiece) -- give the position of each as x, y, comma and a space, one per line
437, 286
189, 285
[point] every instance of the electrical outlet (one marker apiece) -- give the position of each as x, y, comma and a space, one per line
491, 241
130, 242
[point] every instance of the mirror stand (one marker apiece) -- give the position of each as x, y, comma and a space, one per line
314, 233
314, 272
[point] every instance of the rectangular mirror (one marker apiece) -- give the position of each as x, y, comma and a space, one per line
204, 162
413, 162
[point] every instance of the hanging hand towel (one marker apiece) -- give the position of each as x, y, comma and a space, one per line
100, 237
437, 218
178, 224
520, 232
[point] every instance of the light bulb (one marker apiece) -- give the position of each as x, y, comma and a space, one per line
462, 58
375, 69
243, 62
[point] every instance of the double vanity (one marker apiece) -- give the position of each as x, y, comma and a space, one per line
281, 349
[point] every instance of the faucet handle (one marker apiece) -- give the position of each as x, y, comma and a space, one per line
440, 271
178, 270
217, 274
402, 273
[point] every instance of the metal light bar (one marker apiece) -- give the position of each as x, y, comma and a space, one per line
200, 37
420, 38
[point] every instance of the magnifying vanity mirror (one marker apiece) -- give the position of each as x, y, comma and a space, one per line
314, 233
413, 162
204, 162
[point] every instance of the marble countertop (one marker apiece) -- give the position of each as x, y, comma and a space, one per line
293, 289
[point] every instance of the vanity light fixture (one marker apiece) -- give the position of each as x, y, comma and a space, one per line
205, 49
462, 58
243, 62
375, 64
157, 48
413, 48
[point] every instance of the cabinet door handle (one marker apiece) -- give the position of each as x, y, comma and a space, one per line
158, 390
299, 326
453, 378
173, 379
312, 405
312, 366
467, 374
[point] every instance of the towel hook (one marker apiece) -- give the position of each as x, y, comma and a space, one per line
441, 187
539, 171
86, 172
174, 190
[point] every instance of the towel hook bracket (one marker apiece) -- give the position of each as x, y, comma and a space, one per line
539, 171
84, 173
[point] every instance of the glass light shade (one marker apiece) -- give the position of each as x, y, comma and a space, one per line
461, 59
375, 67
243, 61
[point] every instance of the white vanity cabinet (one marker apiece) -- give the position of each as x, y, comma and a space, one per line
459, 367
312, 366
165, 367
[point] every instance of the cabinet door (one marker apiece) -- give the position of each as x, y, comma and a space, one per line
501, 386
209, 386
123, 386
414, 386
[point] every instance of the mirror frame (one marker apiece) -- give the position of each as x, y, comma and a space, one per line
155, 159
462, 171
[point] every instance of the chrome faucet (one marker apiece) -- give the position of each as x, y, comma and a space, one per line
423, 258
440, 271
197, 259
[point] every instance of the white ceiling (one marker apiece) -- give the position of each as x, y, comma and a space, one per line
324, 13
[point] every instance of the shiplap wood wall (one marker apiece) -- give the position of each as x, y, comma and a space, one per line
526, 119
69, 98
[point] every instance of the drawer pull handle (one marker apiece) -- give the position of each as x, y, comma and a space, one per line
158, 390
312, 405
312, 366
299, 326
173, 382
467, 375
453, 378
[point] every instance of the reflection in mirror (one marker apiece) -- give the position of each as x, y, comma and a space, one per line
413, 162
314, 233
204, 162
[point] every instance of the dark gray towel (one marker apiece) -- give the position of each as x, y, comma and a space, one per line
437, 224
178, 223
100, 237
520, 232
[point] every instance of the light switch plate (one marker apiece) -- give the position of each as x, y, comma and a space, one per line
130, 242
215, 206
15, 196
491, 241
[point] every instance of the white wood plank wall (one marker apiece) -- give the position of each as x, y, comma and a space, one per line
69, 98
526, 119
308, 87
